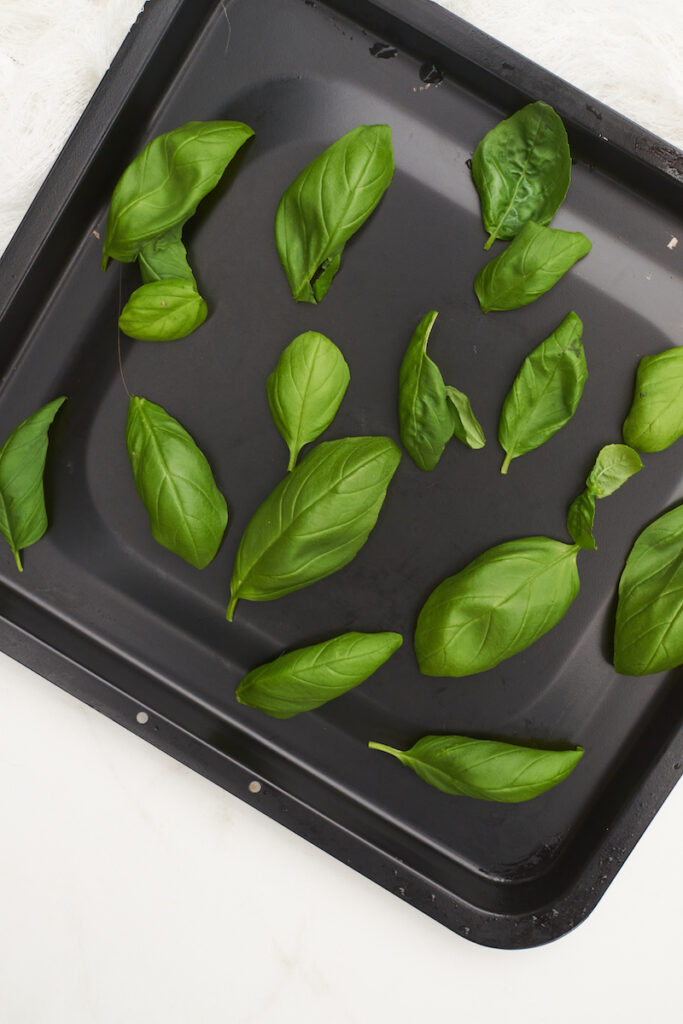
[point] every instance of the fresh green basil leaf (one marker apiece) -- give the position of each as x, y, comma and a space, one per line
545, 392
164, 184
485, 769
187, 513
521, 170
327, 203
163, 311
656, 417
580, 520
615, 464
305, 390
315, 521
165, 257
23, 518
498, 605
425, 414
466, 426
529, 267
309, 677
649, 627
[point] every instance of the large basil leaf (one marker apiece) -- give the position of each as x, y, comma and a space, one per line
498, 605
466, 426
307, 678
521, 169
327, 203
426, 416
23, 518
163, 310
580, 519
305, 390
545, 392
187, 512
315, 521
485, 769
656, 417
164, 184
165, 257
528, 267
615, 464
649, 627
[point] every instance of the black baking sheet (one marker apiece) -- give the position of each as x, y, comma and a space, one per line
121, 622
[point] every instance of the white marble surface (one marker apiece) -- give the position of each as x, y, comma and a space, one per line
134, 891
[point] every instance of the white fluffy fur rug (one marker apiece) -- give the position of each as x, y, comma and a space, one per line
53, 53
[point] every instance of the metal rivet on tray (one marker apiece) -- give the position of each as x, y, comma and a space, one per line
142, 718
254, 787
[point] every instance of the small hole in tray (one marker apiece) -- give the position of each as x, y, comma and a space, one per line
142, 718
254, 787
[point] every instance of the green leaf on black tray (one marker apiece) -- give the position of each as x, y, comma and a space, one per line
165, 257
655, 420
615, 464
163, 310
426, 416
466, 426
580, 519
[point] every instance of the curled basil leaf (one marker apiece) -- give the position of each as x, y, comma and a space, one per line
655, 420
425, 414
163, 310
615, 464
315, 521
466, 426
498, 605
521, 169
309, 677
485, 769
545, 392
165, 257
580, 519
23, 518
327, 203
164, 184
529, 267
305, 390
187, 513
649, 625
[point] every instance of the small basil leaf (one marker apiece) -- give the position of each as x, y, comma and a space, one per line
613, 467
305, 390
529, 267
545, 392
327, 203
23, 518
498, 605
485, 769
187, 512
309, 677
656, 417
425, 414
521, 170
649, 626
580, 520
466, 426
315, 521
165, 257
163, 311
164, 184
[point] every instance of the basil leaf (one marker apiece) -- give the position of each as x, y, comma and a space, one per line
163, 311
23, 518
580, 518
521, 169
309, 677
485, 769
425, 414
545, 392
528, 267
656, 417
613, 467
165, 257
649, 626
466, 426
305, 390
498, 605
164, 184
187, 512
315, 521
327, 203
